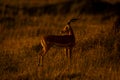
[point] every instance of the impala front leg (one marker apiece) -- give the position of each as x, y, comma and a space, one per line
66, 52
69, 55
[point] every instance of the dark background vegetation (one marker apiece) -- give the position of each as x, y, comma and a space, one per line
12, 10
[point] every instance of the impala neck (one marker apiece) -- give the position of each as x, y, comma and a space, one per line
71, 31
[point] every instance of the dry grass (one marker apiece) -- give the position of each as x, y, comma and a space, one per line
95, 56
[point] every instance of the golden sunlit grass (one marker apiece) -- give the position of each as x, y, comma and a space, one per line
95, 55
91, 57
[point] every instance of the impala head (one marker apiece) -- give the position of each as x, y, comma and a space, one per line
67, 30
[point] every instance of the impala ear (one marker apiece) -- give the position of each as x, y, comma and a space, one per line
72, 20
67, 27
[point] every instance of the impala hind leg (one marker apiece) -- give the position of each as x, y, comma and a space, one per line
41, 55
40, 61
44, 50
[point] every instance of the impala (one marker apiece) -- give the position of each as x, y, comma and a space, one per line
66, 40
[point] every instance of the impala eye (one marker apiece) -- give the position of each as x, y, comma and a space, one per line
67, 27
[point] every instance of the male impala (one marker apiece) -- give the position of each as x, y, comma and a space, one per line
67, 41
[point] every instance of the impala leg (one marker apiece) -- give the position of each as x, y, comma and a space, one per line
41, 61
66, 54
40, 58
44, 50
69, 55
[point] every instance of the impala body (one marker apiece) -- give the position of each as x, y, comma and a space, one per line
66, 40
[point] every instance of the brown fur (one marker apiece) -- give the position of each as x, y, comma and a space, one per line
67, 41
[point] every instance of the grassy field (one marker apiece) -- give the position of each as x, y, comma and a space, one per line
96, 55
